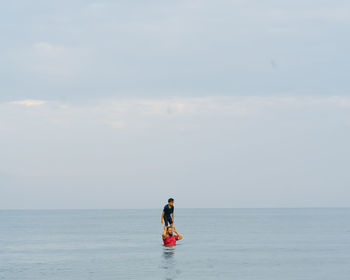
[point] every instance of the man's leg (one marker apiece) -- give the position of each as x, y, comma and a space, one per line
171, 222
165, 223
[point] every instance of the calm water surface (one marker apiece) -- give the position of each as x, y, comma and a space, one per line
239, 244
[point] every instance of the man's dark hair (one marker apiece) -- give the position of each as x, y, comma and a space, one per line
170, 200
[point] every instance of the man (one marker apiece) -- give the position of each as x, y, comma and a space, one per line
168, 238
168, 211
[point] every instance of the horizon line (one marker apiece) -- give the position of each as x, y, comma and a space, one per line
184, 208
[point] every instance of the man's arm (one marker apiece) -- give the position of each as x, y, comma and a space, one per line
178, 234
173, 216
162, 217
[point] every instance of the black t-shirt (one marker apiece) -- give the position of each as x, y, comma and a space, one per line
168, 211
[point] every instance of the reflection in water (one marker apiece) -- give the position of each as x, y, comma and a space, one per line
169, 263
168, 252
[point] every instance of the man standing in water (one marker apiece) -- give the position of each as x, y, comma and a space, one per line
168, 238
168, 214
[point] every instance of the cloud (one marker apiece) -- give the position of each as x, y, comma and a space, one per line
45, 47
117, 124
172, 107
29, 102
268, 146
46, 62
112, 48
182, 113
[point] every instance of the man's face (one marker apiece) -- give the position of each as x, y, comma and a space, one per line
171, 203
170, 231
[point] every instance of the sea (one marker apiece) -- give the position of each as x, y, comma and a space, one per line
241, 244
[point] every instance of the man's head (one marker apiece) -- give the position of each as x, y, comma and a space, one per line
170, 231
171, 201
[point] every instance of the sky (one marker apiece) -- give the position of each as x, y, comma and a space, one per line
123, 104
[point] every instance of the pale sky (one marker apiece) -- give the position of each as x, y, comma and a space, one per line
122, 104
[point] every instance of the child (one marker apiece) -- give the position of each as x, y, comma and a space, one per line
168, 211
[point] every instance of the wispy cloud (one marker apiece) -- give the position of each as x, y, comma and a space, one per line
181, 112
112, 48
241, 145
45, 47
29, 102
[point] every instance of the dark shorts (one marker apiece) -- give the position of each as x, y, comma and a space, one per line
168, 220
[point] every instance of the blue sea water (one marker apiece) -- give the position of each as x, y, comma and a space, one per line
262, 244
